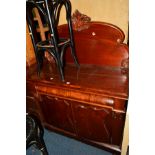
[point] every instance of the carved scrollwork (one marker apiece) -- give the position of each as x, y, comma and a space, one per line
80, 21
125, 66
118, 116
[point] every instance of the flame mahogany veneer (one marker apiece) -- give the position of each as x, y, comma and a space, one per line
91, 104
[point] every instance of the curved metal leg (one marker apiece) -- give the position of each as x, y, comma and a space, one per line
72, 44
41, 146
59, 63
39, 59
62, 54
60, 67
74, 56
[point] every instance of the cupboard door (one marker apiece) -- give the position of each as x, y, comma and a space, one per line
57, 112
96, 124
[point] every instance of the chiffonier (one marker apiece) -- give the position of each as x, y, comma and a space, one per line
91, 104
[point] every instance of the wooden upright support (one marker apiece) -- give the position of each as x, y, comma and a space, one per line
41, 29
30, 54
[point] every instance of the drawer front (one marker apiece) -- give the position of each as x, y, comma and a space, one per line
76, 95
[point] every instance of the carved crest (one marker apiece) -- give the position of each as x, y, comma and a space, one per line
80, 21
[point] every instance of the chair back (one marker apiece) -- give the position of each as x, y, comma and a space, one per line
30, 17
50, 10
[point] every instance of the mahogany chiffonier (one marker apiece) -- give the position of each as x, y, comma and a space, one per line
91, 104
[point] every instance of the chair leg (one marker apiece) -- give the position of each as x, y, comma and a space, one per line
39, 69
72, 43
61, 71
60, 68
74, 56
38, 66
44, 151
41, 146
39, 58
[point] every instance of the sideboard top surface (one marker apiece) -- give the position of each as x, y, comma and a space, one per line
88, 78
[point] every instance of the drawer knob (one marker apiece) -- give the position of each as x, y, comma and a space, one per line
93, 34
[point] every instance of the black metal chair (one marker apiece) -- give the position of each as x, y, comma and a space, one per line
50, 10
34, 134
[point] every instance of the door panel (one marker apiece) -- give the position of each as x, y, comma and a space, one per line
57, 112
97, 124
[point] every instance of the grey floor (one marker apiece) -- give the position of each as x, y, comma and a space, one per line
60, 145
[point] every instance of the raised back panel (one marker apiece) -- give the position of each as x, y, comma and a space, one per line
100, 44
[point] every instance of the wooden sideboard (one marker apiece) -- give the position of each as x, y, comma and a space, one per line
91, 104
